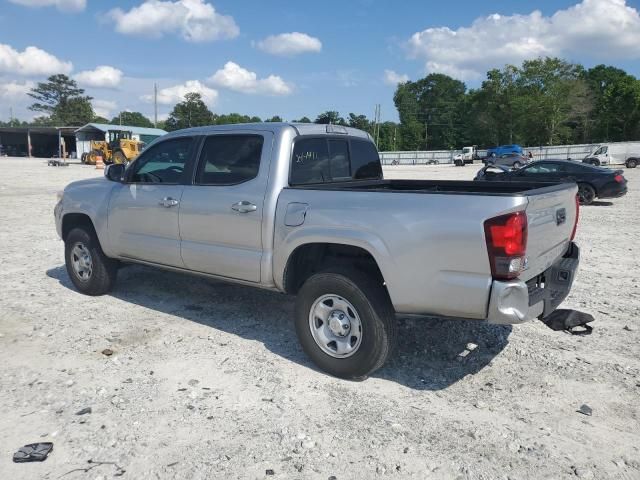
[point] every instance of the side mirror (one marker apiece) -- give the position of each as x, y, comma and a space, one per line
114, 172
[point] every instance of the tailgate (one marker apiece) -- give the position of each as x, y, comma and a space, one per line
551, 216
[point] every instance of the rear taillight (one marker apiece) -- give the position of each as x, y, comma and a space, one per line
575, 222
506, 237
619, 178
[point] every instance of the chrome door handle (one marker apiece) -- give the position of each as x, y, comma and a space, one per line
168, 202
244, 207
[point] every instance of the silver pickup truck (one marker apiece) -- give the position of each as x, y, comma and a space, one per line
303, 209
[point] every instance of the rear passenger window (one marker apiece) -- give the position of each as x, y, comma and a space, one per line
229, 159
323, 160
365, 162
339, 160
310, 162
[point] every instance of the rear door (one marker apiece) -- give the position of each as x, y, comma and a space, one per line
143, 211
221, 212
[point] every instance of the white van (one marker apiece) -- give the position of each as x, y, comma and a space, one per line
620, 153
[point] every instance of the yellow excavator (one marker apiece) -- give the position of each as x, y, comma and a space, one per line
119, 148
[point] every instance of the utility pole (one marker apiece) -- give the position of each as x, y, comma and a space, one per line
155, 105
426, 135
11, 116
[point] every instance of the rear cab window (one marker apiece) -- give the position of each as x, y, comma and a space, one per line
329, 159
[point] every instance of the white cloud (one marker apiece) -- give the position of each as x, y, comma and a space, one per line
15, 90
31, 62
176, 93
393, 78
104, 108
239, 79
290, 44
193, 20
103, 76
601, 29
62, 5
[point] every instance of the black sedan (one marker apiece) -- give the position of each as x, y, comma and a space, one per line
593, 182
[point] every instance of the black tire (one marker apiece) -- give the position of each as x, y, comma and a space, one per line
104, 270
83, 158
632, 163
372, 305
586, 193
595, 162
516, 165
119, 157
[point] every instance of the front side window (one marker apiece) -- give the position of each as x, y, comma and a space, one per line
163, 163
229, 159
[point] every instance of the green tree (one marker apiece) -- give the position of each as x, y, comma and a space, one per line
62, 101
303, 120
616, 103
232, 118
133, 119
431, 111
330, 117
359, 121
275, 119
192, 112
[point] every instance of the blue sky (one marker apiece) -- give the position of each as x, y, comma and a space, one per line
348, 58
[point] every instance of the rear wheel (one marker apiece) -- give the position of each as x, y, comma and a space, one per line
90, 270
345, 322
586, 193
632, 163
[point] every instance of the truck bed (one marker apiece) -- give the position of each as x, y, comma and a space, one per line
452, 187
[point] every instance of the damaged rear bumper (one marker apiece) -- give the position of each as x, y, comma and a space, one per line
516, 301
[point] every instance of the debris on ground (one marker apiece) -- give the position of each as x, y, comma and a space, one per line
585, 410
34, 452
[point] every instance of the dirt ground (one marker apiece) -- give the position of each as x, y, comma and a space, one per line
207, 380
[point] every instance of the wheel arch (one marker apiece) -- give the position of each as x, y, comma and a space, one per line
75, 220
313, 257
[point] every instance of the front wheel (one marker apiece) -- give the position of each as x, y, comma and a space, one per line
345, 323
586, 194
516, 165
90, 270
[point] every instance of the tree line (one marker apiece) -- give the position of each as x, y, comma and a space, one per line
546, 101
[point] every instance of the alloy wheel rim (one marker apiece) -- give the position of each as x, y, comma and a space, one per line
81, 262
335, 326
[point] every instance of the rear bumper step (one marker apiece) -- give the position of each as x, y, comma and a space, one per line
571, 321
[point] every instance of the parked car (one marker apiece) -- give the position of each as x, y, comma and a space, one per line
504, 149
593, 182
303, 209
620, 153
513, 160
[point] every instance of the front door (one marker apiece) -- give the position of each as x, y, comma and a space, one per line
221, 213
143, 211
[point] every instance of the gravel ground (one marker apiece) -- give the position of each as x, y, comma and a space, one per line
206, 380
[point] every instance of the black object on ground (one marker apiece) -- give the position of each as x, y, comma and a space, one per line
571, 321
84, 411
34, 452
585, 410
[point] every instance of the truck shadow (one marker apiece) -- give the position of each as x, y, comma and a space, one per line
426, 357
